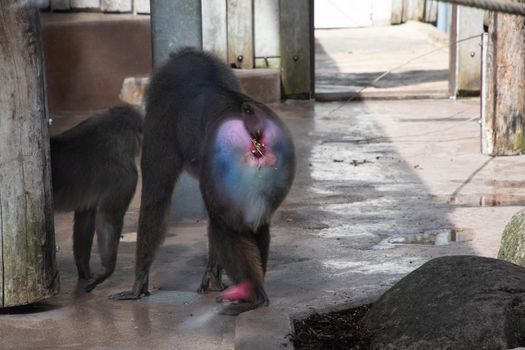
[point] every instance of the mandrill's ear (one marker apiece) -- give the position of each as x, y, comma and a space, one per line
252, 121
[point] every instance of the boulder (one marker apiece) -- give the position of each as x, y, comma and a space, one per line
455, 302
513, 240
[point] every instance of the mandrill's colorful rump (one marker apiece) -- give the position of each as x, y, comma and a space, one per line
248, 164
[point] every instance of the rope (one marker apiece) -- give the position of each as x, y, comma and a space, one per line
504, 6
384, 74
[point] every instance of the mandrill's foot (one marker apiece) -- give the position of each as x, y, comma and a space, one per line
139, 290
212, 280
242, 298
241, 292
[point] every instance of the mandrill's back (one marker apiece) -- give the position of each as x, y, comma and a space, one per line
185, 94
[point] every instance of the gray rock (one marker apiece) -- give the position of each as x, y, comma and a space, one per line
455, 302
513, 240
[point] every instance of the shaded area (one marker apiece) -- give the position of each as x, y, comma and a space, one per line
394, 79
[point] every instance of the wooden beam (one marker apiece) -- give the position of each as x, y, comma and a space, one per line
505, 85
28, 269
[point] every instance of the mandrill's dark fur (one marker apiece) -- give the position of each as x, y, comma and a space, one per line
193, 105
94, 174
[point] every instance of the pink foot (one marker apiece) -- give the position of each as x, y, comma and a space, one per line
240, 293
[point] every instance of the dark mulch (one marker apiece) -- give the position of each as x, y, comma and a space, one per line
332, 331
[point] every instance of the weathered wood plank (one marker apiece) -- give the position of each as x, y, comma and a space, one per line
297, 64
266, 33
465, 57
240, 33
116, 5
397, 12
85, 4
410, 10
214, 28
506, 84
28, 248
174, 24
141, 6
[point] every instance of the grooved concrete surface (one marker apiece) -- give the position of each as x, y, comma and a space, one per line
368, 174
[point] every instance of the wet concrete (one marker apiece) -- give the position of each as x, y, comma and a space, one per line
367, 173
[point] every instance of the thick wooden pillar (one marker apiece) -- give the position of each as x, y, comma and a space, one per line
504, 86
297, 60
27, 261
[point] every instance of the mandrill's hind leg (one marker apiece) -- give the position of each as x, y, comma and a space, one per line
212, 278
239, 253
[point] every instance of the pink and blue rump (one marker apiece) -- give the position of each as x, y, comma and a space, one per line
250, 173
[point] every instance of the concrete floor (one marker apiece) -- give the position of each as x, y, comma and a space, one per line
367, 173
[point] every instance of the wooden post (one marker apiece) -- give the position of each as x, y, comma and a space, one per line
27, 261
465, 56
505, 85
266, 34
397, 12
214, 28
297, 62
240, 33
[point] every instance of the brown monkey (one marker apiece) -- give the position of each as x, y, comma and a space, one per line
94, 174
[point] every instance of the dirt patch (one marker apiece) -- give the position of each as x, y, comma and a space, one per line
336, 330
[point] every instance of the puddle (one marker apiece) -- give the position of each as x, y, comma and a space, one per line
170, 297
430, 237
489, 200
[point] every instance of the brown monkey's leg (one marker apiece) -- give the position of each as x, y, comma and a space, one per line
83, 232
109, 227
239, 254
109, 222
